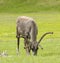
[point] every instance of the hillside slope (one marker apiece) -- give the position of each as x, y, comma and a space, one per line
29, 5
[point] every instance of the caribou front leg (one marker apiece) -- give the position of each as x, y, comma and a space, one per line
18, 39
26, 46
17, 46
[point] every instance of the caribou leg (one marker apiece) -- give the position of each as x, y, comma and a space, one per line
18, 39
26, 44
17, 45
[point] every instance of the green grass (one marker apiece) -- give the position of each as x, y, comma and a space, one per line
47, 19
46, 22
18, 6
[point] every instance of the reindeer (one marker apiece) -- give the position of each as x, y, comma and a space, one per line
27, 29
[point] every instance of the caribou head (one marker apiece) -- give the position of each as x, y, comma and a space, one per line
34, 46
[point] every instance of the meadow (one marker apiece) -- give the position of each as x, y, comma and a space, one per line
46, 21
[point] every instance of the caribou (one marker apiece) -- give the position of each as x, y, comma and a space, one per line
26, 28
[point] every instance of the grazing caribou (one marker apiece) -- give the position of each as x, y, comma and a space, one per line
27, 29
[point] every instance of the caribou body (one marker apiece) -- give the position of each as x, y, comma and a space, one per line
27, 29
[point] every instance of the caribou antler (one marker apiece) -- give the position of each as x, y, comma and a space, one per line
44, 36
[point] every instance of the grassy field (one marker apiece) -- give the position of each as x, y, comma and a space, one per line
46, 21
46, 14
24, 6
